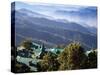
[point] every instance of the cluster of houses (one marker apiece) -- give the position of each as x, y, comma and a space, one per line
31, 56
36, 50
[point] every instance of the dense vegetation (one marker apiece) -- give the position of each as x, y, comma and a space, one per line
72, 57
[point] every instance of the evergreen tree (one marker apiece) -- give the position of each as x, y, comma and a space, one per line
27, 44
48, 63
92, 59
73, 57
43, 52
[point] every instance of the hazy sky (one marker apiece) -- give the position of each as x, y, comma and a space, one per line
80, 14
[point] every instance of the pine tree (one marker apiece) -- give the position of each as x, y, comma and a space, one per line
48, 63
73, 57
92, 59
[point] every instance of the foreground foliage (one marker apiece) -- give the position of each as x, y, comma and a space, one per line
72, 57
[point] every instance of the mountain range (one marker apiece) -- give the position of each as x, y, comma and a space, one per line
50, 31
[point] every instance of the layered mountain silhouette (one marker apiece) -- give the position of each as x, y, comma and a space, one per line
51, 32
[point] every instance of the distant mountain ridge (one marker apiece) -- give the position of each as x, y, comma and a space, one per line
45, 21
85, 14
49, 31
